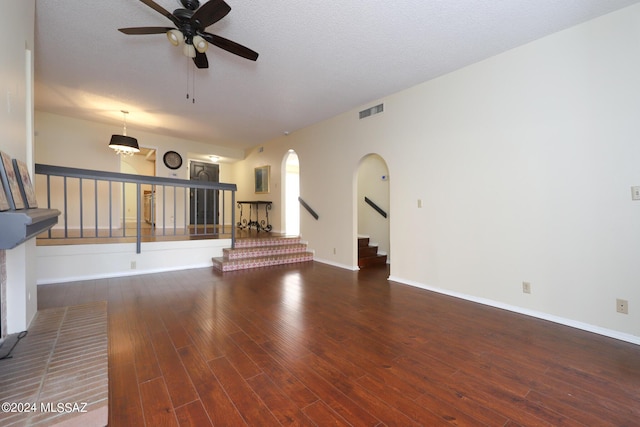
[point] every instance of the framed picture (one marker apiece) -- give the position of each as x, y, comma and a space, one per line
262, 179
10, 182
26, 186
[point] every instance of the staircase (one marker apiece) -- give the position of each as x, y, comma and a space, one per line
262, 252
368, 254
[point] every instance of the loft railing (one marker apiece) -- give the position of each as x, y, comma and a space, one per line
375, 206
119, 207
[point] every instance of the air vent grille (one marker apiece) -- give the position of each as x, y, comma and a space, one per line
371, 111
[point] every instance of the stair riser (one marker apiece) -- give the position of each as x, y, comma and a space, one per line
374, 260
261, 263
367, 251
244, 253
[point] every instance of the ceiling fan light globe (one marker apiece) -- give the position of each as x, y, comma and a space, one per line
175, 37
189, 50
200, 44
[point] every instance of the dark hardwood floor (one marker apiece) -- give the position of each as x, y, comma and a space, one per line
312, 344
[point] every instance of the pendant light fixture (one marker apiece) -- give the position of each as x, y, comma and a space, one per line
123, 144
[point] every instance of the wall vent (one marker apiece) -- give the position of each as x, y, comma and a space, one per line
371, 111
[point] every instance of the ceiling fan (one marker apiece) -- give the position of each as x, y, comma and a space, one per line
191, 22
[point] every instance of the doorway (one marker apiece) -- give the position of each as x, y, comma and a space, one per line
373, 209
204, 203
291, 193
141, 163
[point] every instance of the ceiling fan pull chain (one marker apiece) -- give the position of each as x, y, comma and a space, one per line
188, 62
193, 85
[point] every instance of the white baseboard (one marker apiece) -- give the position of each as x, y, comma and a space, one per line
335, 264
118, 274
533, 313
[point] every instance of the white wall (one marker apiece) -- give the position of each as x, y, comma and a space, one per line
85, 262
56, 135
16, 139
524, 164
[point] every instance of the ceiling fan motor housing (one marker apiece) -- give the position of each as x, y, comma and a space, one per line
185, 27
183, 14
190, 4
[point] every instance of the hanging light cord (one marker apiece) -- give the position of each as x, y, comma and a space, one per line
124, 121
191, 77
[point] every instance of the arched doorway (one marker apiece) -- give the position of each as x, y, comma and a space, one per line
373, 211
291, 191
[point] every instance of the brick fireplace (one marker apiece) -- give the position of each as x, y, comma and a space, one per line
3, 294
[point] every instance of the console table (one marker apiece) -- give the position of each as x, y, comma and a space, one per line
254, 205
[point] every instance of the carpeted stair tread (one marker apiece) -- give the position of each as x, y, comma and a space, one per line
253, 252
222, 264
271, 241
262, 252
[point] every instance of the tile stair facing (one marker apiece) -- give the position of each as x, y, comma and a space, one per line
264, 252
368, 254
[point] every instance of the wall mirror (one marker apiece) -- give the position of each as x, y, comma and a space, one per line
262, 179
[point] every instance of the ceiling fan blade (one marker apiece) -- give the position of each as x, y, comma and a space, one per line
144, 30
230, 46
155, 6
210, 13
201, 60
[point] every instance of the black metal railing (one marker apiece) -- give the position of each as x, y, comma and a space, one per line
101, 205
374, 206
308, 208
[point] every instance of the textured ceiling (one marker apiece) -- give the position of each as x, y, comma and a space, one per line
318, 58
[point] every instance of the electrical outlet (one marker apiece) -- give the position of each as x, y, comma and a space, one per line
622, 306
133, 265
526, 287
635, 193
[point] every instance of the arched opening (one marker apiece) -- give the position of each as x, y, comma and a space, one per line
291, 194
373, 212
